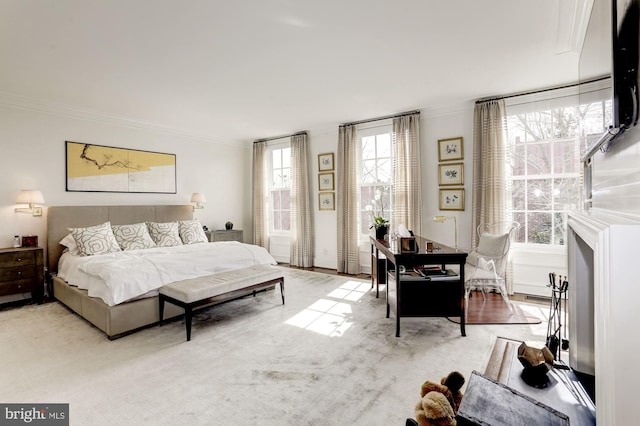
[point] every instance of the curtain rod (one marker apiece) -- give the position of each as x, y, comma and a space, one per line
280, 137
533, 92
402, 114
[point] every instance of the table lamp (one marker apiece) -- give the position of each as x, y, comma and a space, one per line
443, 219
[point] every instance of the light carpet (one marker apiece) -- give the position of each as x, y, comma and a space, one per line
327, 357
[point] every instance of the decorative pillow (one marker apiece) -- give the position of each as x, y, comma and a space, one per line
492, 245
133, 237
70, 244
165, 234
191, 232
94, 240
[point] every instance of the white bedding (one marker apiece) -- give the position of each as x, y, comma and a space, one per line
125, 275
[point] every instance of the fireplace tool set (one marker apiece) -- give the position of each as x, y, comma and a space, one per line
555, 329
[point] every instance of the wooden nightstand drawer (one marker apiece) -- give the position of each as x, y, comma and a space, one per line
17, 258
17, 273
22, 271
18, 286
225, 235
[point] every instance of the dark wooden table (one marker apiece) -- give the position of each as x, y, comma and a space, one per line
409, 297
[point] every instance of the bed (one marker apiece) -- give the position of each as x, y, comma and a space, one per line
131, 305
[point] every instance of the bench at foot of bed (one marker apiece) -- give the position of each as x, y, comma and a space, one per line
192, 293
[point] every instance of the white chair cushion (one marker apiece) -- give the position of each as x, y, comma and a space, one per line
491, 245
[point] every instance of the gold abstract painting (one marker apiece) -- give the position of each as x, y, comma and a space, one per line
109, 169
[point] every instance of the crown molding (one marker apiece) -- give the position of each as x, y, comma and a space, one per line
68, 111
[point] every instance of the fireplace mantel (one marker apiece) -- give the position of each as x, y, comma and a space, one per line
604, 309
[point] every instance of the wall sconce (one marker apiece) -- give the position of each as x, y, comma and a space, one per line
198, 198
443, 219
30, 197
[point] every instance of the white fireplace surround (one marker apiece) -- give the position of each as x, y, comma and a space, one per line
604, 309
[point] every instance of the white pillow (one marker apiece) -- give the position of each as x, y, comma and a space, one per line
165, 234
191, 232
492, 245
133, 237
70, 243
94, 240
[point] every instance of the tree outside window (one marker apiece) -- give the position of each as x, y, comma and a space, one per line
376, 177
544, 151
280, 193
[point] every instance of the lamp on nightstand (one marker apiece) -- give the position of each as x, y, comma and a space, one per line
198, 198
30, 197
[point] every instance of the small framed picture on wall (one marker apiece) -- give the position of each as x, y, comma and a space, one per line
450, 149
451, 174
326, 201
452, 199
325, 182
325, 162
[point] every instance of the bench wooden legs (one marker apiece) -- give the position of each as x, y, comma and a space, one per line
188, 307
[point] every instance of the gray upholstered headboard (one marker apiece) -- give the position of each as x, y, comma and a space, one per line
59, 218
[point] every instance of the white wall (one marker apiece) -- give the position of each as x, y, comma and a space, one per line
435, 124
33, 156
325, 221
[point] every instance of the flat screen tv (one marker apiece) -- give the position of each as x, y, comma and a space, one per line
610, 49
625, 63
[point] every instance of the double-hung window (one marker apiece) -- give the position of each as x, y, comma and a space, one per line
376, 178
545, 143
280, 190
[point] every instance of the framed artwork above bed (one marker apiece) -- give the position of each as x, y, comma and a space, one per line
98, 168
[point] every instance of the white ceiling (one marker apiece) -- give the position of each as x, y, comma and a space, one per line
237, 70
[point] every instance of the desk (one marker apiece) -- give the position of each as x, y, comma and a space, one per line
421, 298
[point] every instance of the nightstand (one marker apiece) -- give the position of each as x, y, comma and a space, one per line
22, 271
225, 235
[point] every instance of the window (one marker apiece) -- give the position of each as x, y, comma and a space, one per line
376, 176
279, 191
545, 144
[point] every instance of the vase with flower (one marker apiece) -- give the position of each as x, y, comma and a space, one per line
376, 211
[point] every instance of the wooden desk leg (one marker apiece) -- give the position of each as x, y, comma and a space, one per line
463, 302
398, 293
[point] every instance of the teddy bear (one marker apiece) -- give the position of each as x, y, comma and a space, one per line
440, 401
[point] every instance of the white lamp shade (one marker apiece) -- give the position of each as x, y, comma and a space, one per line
198, 197
29, 196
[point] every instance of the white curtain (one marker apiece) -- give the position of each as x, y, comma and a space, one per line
259, 189
348, 193
301, 218
489, 168
407, 184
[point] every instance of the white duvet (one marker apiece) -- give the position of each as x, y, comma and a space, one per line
118, 277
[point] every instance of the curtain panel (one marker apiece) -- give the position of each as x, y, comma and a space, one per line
489, 169
259, 198
348, 194
407, 183
301, 218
